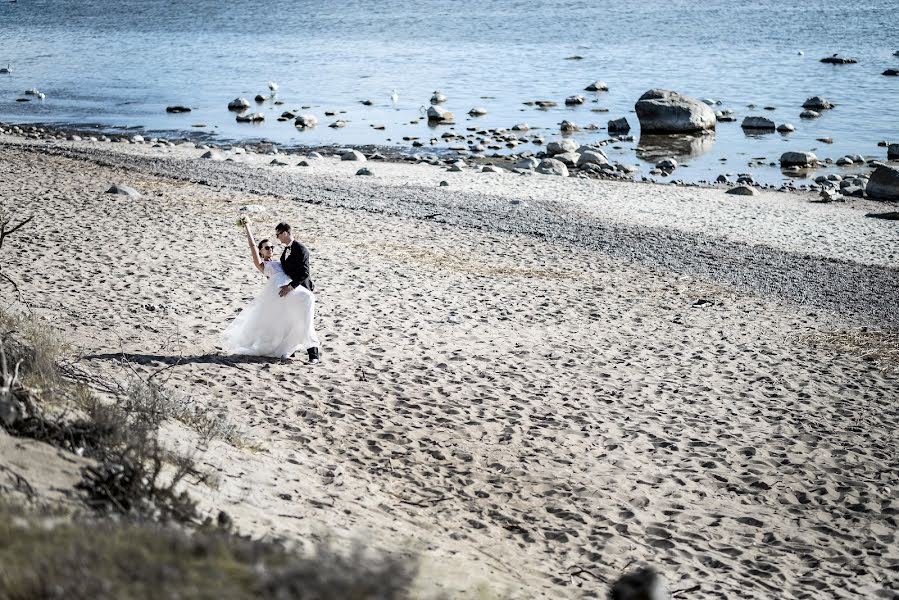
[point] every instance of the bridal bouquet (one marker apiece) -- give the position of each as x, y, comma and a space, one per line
242, 221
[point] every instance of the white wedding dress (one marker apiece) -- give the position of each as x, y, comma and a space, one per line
272, 325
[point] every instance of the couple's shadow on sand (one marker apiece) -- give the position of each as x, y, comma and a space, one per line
173, 360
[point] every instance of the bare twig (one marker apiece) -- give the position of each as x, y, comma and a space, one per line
20, 482
5, 220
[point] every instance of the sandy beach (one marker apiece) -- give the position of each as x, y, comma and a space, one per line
532, 383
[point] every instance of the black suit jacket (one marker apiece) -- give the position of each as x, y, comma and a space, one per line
297, 266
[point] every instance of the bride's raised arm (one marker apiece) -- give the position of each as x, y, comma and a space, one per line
254, 251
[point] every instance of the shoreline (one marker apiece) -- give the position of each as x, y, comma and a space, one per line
530, 414
437, 154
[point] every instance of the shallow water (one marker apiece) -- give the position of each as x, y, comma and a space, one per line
120, 64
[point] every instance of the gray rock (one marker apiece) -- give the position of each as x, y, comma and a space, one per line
743, 190
550, 166
618, 125
444, 183
665, 111
575, 100
798, 159
758, 123
239, 104
123, 190
569, 158
545, 103
213, 155
521, 127
817, 103
260, 98
478, 111
305, 121
809, 114
364, 171
437, 114
250, 117
438, 97
569, 126
490, 169
353, 155
177, 109
853, 191
667, 164
590, 156
884, 183
839, 60
597, 86
338, 124
891, 73
893, 152
827, 196
786, 127
277, 163
529, 163
844, 161
560, 146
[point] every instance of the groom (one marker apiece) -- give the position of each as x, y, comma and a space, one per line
295, 261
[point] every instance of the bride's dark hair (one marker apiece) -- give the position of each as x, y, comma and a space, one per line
261, 244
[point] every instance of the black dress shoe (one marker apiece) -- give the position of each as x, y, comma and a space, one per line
314, 356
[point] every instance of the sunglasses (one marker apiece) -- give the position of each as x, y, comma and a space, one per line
268, 247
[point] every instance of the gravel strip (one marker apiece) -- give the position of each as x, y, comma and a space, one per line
865, 294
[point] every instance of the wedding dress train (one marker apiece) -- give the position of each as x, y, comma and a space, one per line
272, 325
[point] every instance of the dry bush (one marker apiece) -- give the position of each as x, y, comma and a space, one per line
135, 476
47, 557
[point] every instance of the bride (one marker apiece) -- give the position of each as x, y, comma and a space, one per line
272, 325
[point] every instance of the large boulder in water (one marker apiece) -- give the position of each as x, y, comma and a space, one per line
884, 183
239, 104
665, 111
618, 125
817, 103
762, 123
798, 159
305, 121
437, 114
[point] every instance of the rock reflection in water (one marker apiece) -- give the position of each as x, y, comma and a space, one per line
656, 147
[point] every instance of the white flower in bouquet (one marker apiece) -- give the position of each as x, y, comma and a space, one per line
242, 221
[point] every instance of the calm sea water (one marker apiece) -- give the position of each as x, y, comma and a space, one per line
119, 64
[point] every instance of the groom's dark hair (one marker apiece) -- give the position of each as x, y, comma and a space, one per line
281, 228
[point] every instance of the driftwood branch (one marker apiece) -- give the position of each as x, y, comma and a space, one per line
7, 230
